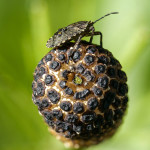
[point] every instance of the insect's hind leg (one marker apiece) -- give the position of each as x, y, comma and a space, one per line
77, 42
96, 33
75, 47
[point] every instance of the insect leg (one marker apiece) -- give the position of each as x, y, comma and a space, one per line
77, 42
97, 33
91, 34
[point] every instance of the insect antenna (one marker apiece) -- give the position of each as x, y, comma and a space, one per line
105, 16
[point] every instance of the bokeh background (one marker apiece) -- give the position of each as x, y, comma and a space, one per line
26, 25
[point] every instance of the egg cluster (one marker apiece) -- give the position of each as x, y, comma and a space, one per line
81, 93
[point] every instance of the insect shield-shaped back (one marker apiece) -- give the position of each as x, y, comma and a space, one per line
71, 32
75, 32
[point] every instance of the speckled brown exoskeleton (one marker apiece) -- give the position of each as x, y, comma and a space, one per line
75, 32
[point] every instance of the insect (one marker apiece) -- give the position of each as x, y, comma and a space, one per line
75, 32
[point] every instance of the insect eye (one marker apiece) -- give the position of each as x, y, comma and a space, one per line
64, 29
59, 33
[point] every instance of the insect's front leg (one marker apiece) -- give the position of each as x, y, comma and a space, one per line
96, 33
77, 42
101, 36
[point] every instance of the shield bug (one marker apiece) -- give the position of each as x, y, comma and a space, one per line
75, 32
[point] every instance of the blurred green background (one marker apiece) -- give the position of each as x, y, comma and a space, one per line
26, 25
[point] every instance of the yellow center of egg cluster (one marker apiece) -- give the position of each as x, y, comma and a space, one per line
77, 80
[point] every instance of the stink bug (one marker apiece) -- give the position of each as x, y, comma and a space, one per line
75, 32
